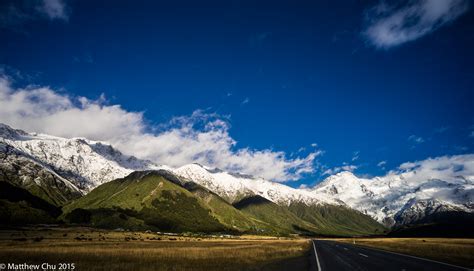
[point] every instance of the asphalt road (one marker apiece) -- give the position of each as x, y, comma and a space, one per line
334, 256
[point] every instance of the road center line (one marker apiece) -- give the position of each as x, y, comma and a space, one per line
363, 255
317, 258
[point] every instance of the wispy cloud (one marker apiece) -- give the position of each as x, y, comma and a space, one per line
441, 130
355, 155
85, 58
201, 137
471, 131
245, 101
54, 9
392, 24
382, 164
16, 13
345, 167
416, 139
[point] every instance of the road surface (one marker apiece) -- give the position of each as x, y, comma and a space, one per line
335, 256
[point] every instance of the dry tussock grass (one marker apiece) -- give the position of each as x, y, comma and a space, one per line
114, 253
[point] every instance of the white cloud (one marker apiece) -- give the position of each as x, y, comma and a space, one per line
382, 164
245, 101
391, 25
446, 168
355, 155
54, 9
335, 170
416, 139
201, 137
304, 187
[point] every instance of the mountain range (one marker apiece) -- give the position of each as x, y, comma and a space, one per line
94, 183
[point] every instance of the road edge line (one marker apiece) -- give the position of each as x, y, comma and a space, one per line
411, 256
316, 253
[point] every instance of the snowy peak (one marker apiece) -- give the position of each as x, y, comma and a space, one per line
344, 185
8, 132
397, 199
86, 163
80, 165
234, 187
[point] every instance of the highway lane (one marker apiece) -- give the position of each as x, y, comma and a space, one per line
335, 256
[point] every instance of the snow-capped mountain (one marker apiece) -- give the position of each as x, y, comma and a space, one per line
234, 187
88, 164
77, 165
85, 163
23, 170
403, 198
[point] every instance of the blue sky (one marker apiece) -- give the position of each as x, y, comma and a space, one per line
282, 76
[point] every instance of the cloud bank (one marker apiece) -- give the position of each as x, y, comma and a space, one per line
201, 137
398, 22
446, 168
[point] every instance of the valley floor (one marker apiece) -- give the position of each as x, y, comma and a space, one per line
455, 251
91, 249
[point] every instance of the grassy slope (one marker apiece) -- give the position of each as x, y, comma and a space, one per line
226, 213
146, 202
155, 200
278, 216
337, 220
19, 206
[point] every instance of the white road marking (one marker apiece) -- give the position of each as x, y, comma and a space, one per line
317, 258
363, 255
345, 248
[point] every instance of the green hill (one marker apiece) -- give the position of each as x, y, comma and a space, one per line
231, 217
143, 200
337, 220
279, 217
18, 206
158, 200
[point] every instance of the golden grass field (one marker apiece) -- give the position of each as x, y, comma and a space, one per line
448, 250
92, 249
104, 250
